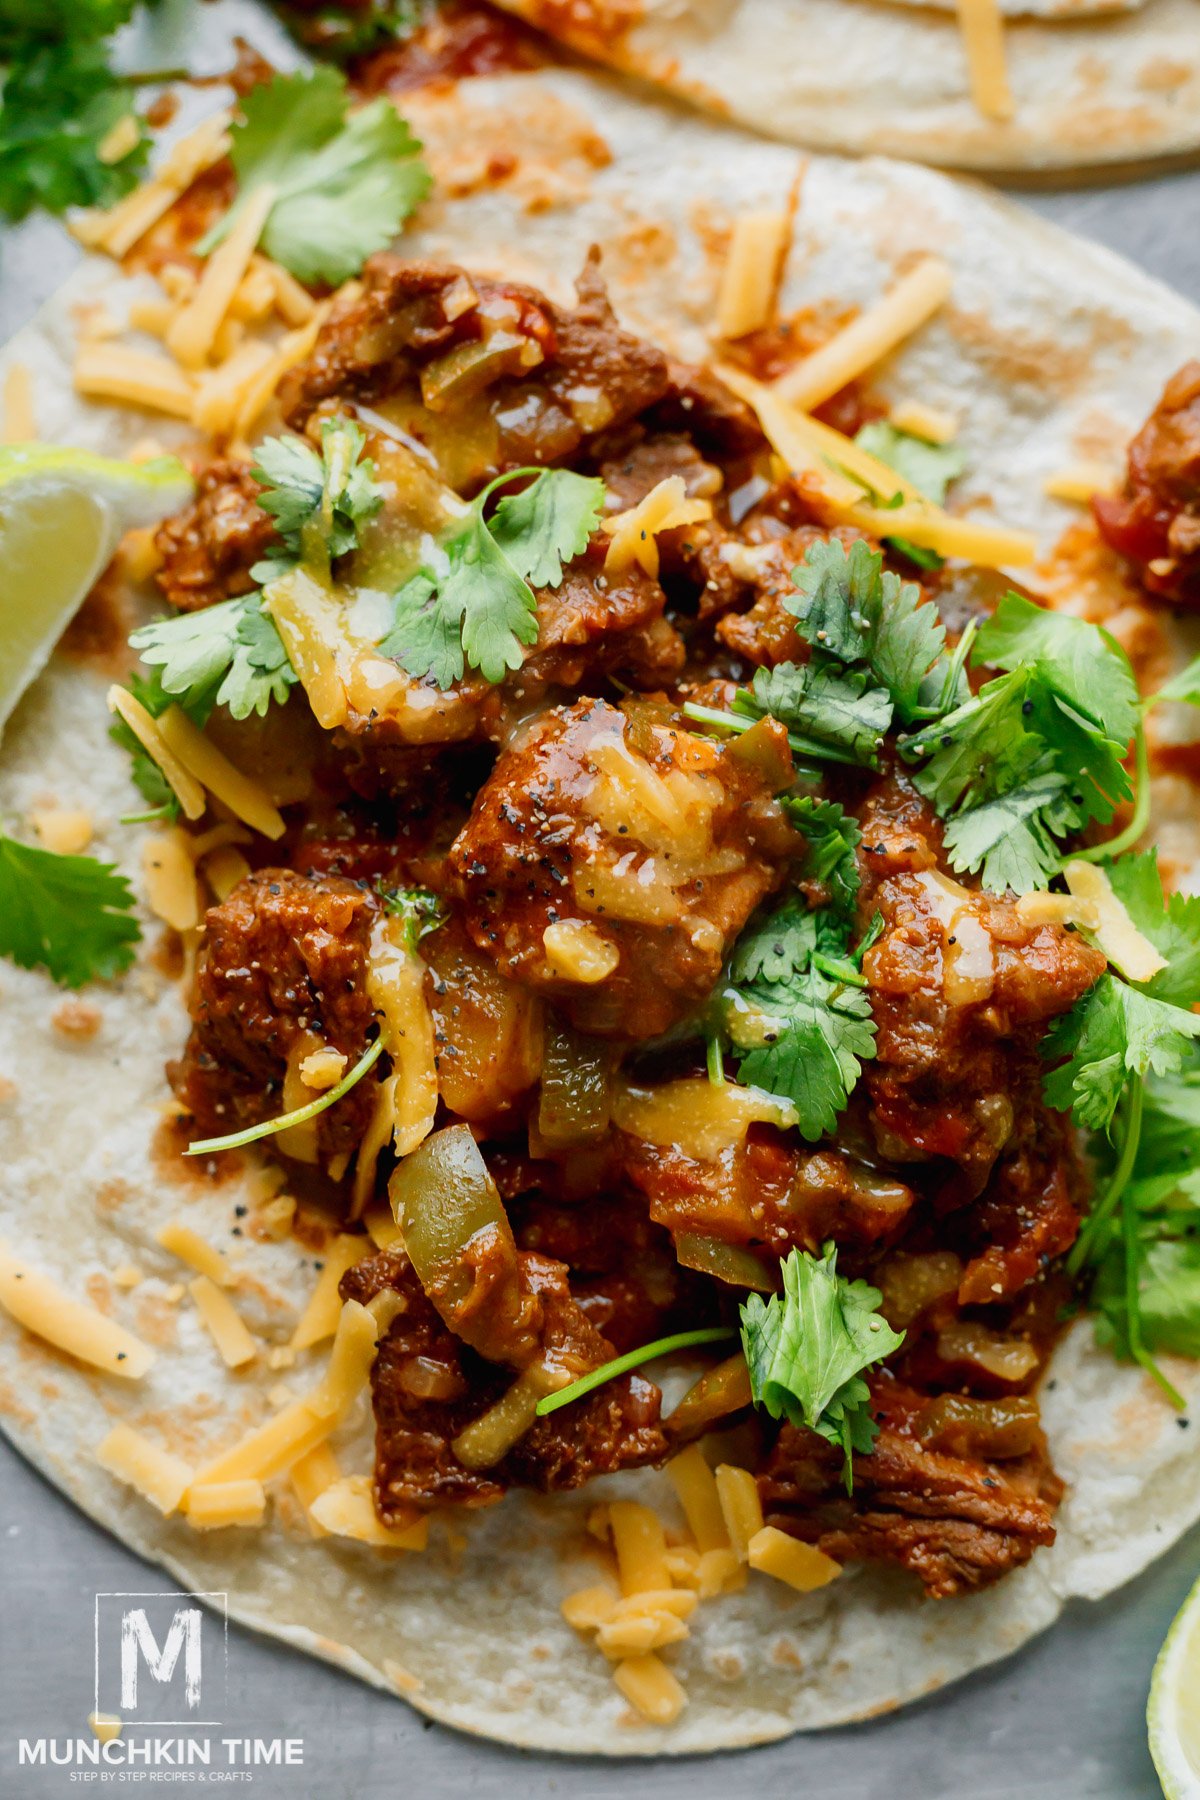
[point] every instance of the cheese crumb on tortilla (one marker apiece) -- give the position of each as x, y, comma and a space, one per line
66, 832
928, 422
802, 1566
37, 1302
1079, 481
212, 1506
870, 337
310, 1477
225, 1324
651, 1688
194, 1250
589, 1608
347, 1510
158, 1476
169, 876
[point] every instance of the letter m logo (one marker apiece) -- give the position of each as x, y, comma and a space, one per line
161, 1658
138, 1644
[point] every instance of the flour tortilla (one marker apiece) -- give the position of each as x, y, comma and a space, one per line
1050, 346
865, 77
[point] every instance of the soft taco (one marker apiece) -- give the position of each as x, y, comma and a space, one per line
635, 1189
1010, 85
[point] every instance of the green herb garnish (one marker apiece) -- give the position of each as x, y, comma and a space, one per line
71, 915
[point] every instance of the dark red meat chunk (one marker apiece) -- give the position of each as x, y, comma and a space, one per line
1155, 522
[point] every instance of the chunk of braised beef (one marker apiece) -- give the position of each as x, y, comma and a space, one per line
641, 848
956, 1521
209, 548
282, 967
427, 1387
1155, 521
764, 633
767, 1192
962, 989
537, 379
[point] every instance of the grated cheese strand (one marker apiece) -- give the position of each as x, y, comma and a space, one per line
192, 331
185, 787
213, 1506
225, 1324
750, 278
37, 1302
19, 423
870, 337
199, 756
158, 1476
982, 28
132, 377
321, 1316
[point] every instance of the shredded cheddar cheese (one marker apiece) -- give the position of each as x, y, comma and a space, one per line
750, 279
191, 334
170, 878
346, 1509
213, 1506
19, 424
323, 1068
579, 952
641, 1547
396, 986
37, 1302
225, 1324
321, 1316
66, 832
135, 377
195, 1251
185, 787
1128, 949
738, 1493
651, 1688
982, 28
1079, 481
224, 868
589, 1608
633, 533
802, 1566
310, 1478
207, 765
870, 337
158, 1476
822, 456
928, 422
696, 1488
119, 229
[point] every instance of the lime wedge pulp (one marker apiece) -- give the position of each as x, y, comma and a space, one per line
1173, 1714
62, 514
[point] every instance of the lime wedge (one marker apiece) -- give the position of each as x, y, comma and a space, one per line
1173, 1714
62, 513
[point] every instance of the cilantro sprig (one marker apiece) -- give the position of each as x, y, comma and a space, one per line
342, 182
1037, 753
927, 466
472, 606
807, 1349
71, 915
232, 654
878, 654
795, 1011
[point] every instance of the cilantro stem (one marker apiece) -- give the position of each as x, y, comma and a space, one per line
146, 818
802, 746
1133, 1308
1117, 1182
839, 971
234, 1140
1126, 839
954, 669
714, 1058
682, 1340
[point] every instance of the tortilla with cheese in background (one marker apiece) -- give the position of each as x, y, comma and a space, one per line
1041, 354
1002, 86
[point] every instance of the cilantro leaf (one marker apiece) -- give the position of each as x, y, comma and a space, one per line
1113, 1032
547, 524
796, 1014
806, 1351
830, 713
472, 606
421, 911
1183, 687
317, 501
342, 33
225, 655
1012, 836
344, 181
60, 102
851, 608
1172, 925
68, 914
832, 836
